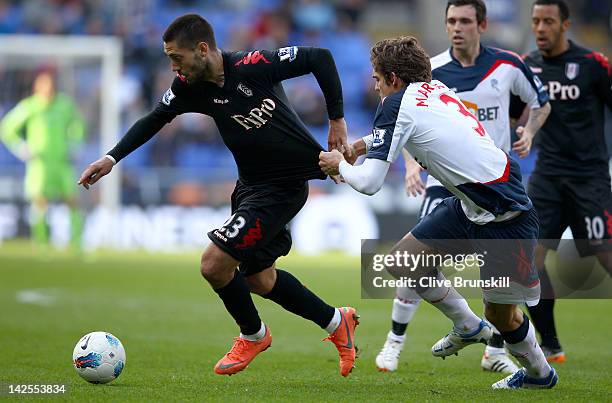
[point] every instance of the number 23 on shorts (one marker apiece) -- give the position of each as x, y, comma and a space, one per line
232, 226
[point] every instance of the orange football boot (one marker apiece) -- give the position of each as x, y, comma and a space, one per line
242, 353
556, 358
554, 355
344, 339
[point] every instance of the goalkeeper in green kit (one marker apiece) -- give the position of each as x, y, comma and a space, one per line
41, 130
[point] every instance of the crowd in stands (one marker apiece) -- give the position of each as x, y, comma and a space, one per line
191, 141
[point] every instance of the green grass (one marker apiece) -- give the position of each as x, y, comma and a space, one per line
174, 330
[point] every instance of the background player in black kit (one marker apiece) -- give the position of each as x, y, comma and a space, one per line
571, 182
275, 155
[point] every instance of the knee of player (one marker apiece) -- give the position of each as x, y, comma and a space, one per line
209, 268
502, 317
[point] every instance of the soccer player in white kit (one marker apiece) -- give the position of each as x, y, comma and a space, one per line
489, 203
484, 78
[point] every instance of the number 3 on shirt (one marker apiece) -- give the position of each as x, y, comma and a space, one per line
448, 99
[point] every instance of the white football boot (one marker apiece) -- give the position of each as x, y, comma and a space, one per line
388, 358
497, 360
520, 379
455, 341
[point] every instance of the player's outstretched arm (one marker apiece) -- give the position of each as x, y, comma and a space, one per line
140, 132
95, 171
366, 178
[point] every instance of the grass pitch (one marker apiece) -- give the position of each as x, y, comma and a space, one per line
174, 329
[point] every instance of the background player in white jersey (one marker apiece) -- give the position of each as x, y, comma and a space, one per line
489, 203
484, 78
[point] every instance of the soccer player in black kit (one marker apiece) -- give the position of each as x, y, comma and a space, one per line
571, 182
275, 155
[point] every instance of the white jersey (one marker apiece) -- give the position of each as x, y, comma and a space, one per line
431, 122
485, 89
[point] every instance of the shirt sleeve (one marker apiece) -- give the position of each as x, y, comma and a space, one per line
603, 85
294, 61
366, 178
174, 102
389, 134
528, 87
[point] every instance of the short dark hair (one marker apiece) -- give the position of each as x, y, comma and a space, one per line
479, 6
564, 11
190, 29
402, 56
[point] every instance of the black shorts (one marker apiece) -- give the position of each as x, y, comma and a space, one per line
583, 204
257, 234
433, 196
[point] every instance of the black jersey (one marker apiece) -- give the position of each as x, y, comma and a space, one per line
269, 142
572, 142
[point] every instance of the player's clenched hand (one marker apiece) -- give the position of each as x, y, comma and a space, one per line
337, 138
95, 171
523, 145
330, 161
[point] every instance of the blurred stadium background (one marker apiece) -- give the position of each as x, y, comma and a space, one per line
174, 188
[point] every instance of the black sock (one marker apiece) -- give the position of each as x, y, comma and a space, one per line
519, 334
542, 315
546, 288
398, 329
236, 297
544, 322
289, 293
496, 340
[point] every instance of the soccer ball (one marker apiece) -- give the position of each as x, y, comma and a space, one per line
98, 357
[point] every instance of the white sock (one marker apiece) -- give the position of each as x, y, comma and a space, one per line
394, 337
405, 305
529, 354
255, 336
334, 322
453, 305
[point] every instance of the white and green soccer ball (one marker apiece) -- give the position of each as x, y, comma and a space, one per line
98, 357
